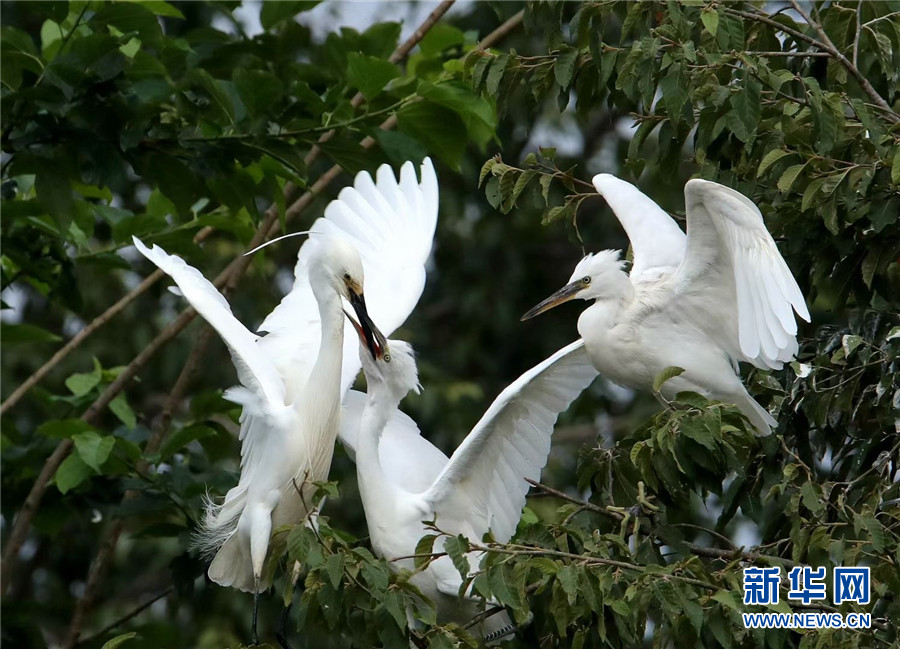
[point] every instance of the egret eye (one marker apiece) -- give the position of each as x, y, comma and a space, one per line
585, 280
386, 358
347, 277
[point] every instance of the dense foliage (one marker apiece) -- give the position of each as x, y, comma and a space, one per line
125, 118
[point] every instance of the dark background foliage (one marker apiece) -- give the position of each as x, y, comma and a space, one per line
167, 121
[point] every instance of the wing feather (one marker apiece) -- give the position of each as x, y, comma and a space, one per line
656, 240
733, 281
484, 484
254, 372
391, 223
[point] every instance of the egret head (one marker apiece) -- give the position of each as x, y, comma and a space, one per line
393, 366
337, 262
596, 277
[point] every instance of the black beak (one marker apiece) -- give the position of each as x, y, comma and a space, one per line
365, 328
564, 294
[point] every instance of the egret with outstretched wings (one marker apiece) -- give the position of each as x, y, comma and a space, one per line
405, 481
703, 302
293, 379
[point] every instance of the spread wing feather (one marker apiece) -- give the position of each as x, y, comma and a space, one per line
733, 279
484, 483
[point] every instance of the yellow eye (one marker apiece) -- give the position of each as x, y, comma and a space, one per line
585, 280
386, 358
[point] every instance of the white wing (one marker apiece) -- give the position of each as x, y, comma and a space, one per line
484, 484
657, 242
255, 372
733, 281
407, 458
392, 225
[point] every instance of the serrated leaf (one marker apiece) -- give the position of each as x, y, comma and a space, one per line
568, 579
486, 169
495, 74
545, 181
564, 68
674, 91
789, 177
423, 548
370, 74
334, 566
771, 158
456, 547
93, 449
669, 373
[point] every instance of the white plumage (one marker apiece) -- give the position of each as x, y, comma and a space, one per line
702, 301
293, 378
481, 487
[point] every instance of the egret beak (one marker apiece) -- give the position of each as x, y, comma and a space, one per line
368, 333
566, 293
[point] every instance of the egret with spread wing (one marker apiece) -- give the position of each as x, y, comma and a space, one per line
404, 480
294, 378
702, 301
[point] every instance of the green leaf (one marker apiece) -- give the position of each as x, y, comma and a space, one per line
710, 19
456, 547
895, 167
17, 334
93, 449
771, 158
334, 566
260, 91
71, 473
746, 108
64, 428
120, 408
274, 12
564, 68
669, 373
437, 127
789, 177
369, 74
567, 576
675, 91
119, 640
495, 74
81, 384
182, 438
160, 8
486, 169
424, 547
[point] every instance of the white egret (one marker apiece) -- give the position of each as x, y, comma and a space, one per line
291, 394
702, 302
404, 480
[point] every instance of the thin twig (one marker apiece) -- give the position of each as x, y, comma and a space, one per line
128, 616
77, 339
858, 32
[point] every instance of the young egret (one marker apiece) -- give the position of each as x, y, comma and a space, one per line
404, 480
293, 378
702, 302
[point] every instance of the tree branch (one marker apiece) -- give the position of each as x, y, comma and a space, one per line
826, 45
122, 620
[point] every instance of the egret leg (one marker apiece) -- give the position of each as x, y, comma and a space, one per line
281, 631
254, 638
